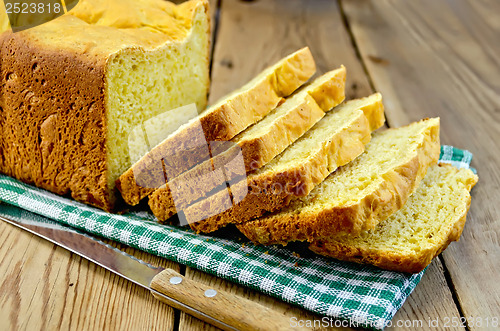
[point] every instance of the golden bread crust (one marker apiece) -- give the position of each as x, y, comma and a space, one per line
257, 150
398, 260
40, 87
254, 153
221, 122
392, 193
271, 191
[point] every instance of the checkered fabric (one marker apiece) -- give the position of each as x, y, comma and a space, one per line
456, 157
362, 295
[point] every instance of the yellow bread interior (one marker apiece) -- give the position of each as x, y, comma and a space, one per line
408, 240
142, 85
320, 90
387, 150
307, 145
360, 194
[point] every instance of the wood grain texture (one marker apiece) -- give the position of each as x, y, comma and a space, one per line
440, 58
254, 34
430, 300
44, 287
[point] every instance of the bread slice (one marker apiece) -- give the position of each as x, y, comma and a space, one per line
222, 121
359, 195
73, 88
334, 141
257, 145
407, 241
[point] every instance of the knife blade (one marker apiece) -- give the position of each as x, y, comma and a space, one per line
221, 309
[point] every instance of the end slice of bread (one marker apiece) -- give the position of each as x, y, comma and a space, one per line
360, 194
334, 141
222, 121
407, 241
258, 144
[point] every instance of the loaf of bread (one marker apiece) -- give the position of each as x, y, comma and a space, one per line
407, 241
258, 145
220, 122
72, 89
334, 141
359, 195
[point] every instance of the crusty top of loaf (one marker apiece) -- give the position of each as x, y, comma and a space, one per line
103, 27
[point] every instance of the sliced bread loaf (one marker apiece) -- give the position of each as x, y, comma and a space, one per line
187, 146
73, 88
334, 141
360, 194
258, 145
407, 241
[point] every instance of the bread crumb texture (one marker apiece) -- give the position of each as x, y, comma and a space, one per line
257, 145
188, 145
360, 194
408, 240
335, 140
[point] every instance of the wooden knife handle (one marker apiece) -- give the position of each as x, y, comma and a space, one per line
238, 312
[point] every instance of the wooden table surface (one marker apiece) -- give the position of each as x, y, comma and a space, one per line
427, 57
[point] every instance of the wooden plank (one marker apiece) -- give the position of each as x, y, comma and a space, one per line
253, 35
440, 58
44, 287
429, 305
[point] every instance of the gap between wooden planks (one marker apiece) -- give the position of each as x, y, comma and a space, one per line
254, 34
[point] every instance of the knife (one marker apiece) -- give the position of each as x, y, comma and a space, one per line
221, 309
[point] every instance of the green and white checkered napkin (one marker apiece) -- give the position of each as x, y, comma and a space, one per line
363, 295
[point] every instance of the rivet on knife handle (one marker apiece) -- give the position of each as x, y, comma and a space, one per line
231, 309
